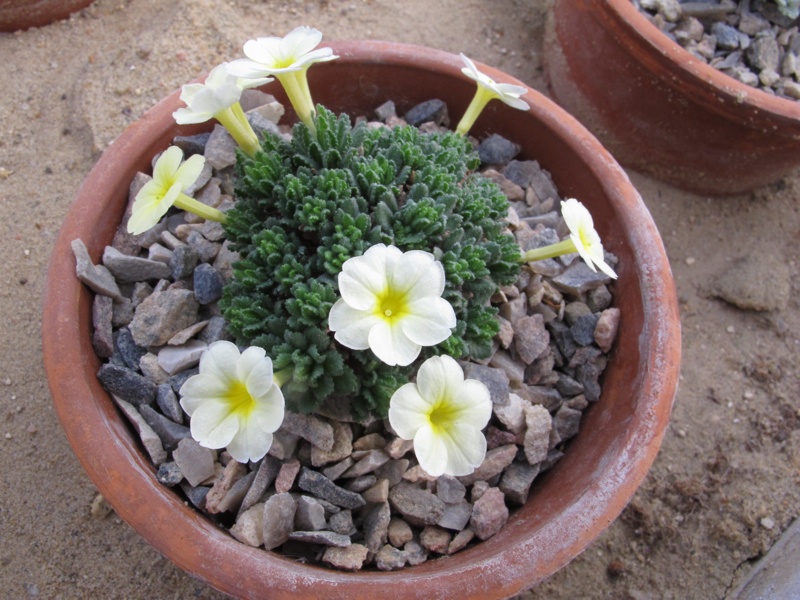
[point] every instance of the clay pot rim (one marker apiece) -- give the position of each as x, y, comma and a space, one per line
695, 76
114, 461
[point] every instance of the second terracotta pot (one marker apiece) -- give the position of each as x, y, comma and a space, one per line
569, 506
660, 110
22, 14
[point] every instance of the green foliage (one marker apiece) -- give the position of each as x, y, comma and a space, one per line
307, 205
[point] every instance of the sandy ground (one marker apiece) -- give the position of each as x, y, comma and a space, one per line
725, 484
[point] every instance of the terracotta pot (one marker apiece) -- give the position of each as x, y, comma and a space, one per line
22, 14
660, 110
571, 504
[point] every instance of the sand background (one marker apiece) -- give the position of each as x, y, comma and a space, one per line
725, 485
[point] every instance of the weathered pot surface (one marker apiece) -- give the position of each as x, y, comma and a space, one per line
571, 504
21, 14
660, 110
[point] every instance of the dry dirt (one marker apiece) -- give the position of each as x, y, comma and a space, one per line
725, 485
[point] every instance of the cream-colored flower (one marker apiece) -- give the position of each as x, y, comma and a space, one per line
170, 178
218, 98
444, 414
582, 239
488, 89
583, 235
287, 58
391, 303
233, 402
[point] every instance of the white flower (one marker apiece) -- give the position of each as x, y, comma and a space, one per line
287, 58
218, 98
277, 55
220, 91
233, 402
170, 178
488, 89
391, 303
584, 237
444, 414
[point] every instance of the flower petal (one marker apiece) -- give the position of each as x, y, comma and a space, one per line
300, 40
250, 444
247, 68
430, 321
408, 411
220, 360
270, 409
440, 377
213, 424
475, 404
185, 116
417, 274
190, 170
391, 345
360, 284
255, 369
166, 166
431, 451
352, 326
201, 387
465, 449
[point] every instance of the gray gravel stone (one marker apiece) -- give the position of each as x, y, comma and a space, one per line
531, 339
174, 359
376, 526
127, 384
195, 462
168, 404
163, 314
128, 350
150, 440
393, 471
249, 526
102, 330
418, 507
390, 558
97, 277
493, 464
216, 329
170, 432
431, 110
220, 151
605, 331
326, 538
350, 558
565, 425
489, 514
267, 471
183, 262
322, 487
494, 379
537, 435
449, 489
310, 428
287, 475
399, 533
455, 517
310, 515
208, 284
435, 539
512, 415
579, 279
342, 522
460, 541
497, 150
516, 481
169, 474
368, 464
278, 520
129, 269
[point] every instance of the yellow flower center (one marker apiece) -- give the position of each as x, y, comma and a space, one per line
442, 415
239, 399
392, 304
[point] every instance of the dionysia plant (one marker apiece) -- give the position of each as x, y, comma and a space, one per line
368, 258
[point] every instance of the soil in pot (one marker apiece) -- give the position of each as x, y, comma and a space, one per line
347, 494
